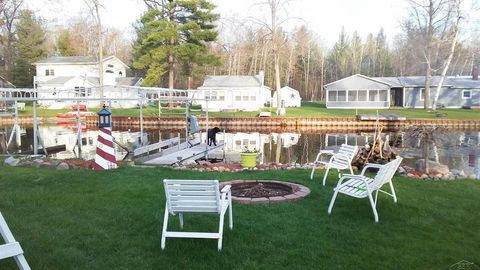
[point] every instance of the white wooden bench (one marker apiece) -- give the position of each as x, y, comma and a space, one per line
196, 196
11, 248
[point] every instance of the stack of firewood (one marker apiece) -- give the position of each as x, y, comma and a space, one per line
379, 151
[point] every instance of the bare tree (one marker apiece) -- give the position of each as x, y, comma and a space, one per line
429, 18
9, 12
275, 33
455, 6
94, 7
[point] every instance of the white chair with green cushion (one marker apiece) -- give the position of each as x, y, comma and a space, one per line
362, 186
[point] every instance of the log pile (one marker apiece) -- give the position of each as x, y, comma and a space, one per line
379, 151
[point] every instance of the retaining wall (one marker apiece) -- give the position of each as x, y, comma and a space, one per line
289, 123
285, 123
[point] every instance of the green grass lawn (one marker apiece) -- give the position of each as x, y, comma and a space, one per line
308, 109
112, 220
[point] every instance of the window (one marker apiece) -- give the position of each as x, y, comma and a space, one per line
466, 94
108, 71
332, 95
352, 95
383, 95
422, 93
211, 95
80, 91
342, 95
245, 98
120, 74
373, 95
110, 65
362, 95
49, 72
238, 98
221, 95
253, 98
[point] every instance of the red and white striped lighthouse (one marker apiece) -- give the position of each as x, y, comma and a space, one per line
105, 152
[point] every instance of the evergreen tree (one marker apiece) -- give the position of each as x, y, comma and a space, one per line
64, 44
29, 46
174, 31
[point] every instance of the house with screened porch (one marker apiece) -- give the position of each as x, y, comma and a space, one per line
362, 92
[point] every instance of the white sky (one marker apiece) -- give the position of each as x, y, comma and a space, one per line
324, 17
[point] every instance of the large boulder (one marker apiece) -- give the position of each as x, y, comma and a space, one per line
11, 161
433, 167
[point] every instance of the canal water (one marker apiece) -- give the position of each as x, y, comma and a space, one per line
457, 149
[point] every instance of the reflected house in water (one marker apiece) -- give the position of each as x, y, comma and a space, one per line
286, 139
238, 142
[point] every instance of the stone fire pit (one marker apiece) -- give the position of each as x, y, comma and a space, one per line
265, 191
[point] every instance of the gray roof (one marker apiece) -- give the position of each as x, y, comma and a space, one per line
68, 60
232, 81
95, 81
359, 82
59, 80
412, 81
130, 81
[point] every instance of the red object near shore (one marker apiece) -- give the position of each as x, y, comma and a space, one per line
73, 115
81, 107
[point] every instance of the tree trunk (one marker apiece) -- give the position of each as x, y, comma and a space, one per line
171, 59
100, 48
447, 64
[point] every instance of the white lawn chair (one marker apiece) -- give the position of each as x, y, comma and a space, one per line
361, 186
11, 248
341, 160
196, 196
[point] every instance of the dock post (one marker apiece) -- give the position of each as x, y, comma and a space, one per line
224, 142
35, 128
79, 131
186, 124
206, 127
141, 119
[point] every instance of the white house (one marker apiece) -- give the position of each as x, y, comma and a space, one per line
243, 93
290, 96
78, 76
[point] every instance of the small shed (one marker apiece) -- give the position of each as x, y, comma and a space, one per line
290, 96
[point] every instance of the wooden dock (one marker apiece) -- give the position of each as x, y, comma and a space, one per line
187, 154
381, 117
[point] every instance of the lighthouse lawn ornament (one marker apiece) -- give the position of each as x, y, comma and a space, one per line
105, 154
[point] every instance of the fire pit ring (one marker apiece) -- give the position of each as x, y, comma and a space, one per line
265, 191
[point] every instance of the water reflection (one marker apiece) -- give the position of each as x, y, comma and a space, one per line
460, 151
